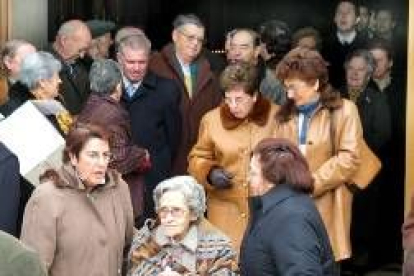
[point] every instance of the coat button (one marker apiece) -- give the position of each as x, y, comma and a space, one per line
243, 215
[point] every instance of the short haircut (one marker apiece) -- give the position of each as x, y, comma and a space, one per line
366, 56
10, 48
79, 135
253, 34
135, 42
192, 191
104, 76
282, 163
184, 19
240, 74
307, 32
127, 31
382, 44
277, 37
38, 66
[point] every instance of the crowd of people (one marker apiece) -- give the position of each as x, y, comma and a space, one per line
185, 162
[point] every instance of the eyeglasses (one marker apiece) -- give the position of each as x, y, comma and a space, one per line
96, 156
175, 212
236, 101
192, 38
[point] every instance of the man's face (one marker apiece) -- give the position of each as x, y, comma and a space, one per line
345, 17
242, 48
363, 17
385, 22
99, 47
134, 63
188, 40
13, 64
357, 73
76, 45
383, 63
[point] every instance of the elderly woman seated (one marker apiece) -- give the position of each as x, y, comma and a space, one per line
181, 241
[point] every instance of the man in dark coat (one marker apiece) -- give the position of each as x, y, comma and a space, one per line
153, 106
182, 62
342, 42
71, 43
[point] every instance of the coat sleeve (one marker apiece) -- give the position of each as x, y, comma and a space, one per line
296, 251
39, 229
126, 157
202, 158
338, 169
173, 120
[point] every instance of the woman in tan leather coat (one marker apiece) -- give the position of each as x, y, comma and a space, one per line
227, 135
328, 131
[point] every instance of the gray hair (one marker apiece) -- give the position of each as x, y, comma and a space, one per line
104, 76
135, 42
127, 31
192, 191
38, 66
10, 48
366, 56
184, 19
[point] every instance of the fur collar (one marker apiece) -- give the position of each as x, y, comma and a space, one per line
259, 114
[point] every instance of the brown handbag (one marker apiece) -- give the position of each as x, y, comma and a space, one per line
370, 164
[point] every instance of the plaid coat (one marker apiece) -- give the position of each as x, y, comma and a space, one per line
214, 254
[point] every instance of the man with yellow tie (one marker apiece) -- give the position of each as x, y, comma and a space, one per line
183, 62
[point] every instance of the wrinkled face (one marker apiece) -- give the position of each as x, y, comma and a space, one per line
357, 73
385, 22
383, 64
13, 64
100, 46
188, 40
49, 88
307, 42
300, 91
239, 102
174, 215
258, 185
134, 63
241, 48
76, 45
345, 17
92, 162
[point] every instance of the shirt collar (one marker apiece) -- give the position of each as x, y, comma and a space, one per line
384, 82
276, 195
127, 82
348, 38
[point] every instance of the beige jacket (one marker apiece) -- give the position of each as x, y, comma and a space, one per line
79, 233
331, 173
227, 142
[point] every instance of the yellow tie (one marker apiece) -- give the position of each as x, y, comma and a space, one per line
188, 84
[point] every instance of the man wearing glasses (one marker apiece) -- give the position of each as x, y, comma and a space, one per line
183, 62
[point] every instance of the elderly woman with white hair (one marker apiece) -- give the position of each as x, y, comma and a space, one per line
40, 73
181, 241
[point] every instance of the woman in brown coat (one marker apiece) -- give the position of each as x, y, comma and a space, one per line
220, 158
79, 219
328, 131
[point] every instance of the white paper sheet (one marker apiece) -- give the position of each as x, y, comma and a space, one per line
34, 140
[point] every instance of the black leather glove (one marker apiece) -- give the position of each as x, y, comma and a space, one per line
219, 178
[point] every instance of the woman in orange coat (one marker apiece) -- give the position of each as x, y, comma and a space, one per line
227, 135
328, 131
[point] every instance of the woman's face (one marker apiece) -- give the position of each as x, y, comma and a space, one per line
239, 102
300, 91
174, 214
258, 185
92, 162
49, 88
